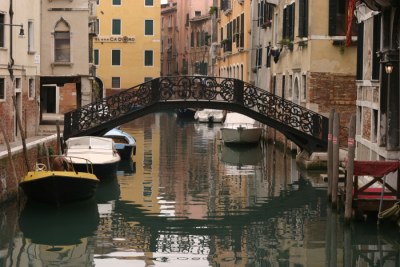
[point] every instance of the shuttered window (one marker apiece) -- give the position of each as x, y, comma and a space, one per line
303, 18
376, 46
116, 26
116, 57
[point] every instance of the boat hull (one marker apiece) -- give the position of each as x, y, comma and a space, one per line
102, 171
59, 186
241, 135
125, 151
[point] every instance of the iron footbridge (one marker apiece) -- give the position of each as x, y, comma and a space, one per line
304, 127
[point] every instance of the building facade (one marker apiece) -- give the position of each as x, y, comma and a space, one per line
378, 79
127, 48
234, 26
19, 67
312, 65
66, 80
187, 36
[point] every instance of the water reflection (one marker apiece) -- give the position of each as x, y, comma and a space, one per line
194, 202
57, 236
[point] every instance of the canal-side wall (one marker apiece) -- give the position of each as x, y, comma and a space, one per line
9, 182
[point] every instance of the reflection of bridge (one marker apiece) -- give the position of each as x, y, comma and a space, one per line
307, 129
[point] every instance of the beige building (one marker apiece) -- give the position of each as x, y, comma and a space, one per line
19, 66
234, 37
127, 48
66, 79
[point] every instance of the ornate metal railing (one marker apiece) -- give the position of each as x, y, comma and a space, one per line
199, 91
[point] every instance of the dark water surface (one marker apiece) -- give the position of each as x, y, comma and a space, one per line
185, 199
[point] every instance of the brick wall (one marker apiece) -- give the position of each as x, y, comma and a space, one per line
332, 90
8, 182
67, 98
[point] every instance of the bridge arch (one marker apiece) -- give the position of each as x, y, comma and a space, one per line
306, 128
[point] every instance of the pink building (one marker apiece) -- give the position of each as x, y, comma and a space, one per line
186, 36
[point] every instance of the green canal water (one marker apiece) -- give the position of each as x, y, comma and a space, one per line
186, 199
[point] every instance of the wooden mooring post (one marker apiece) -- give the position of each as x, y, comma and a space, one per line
335, 160
350, 170
330, 158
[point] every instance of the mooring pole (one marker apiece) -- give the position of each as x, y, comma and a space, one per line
9, 155
335, 161
22, 134
330, 159
350, 169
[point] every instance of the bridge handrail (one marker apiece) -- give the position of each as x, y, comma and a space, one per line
199, 89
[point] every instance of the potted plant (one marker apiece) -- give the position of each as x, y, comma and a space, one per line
213, 9
285, 42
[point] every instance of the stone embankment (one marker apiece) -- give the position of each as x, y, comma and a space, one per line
9, 180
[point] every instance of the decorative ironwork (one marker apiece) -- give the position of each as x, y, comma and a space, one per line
298, 123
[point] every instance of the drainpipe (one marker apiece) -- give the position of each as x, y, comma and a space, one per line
11, 62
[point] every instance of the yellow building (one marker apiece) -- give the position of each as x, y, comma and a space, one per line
234, 39
127, 48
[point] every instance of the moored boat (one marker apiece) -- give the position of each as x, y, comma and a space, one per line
240, 129
124, 143
58, 182
210, 115
100, 151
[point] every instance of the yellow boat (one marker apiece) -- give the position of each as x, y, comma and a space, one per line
56, 181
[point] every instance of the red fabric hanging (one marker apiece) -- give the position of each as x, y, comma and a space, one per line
350, 14
375, 168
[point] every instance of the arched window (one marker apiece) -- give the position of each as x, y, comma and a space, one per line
62, 42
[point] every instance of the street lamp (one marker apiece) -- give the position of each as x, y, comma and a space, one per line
389, 68
21, 31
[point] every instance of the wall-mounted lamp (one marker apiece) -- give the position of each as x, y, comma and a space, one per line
389, 68
21, 31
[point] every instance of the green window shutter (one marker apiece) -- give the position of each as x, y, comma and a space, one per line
116, 26
96, 56
149, 2
332, 17
148, 58
116, 57
303, 18
148, 27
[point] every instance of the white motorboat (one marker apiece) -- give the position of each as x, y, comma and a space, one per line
100, 151
240, 129
210, 115
124, 143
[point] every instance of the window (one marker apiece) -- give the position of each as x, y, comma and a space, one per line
259, 57
197, 13
62, 46
148, 57
303, 18
96, 56
31, 46
337, 18
17, 84
148, 27
376, 46
148, 3
147, 79
115, 82
288, 22
31, 92
304, 86
1, 30
265, 12
2, 89
116, 57
116, 26
116, 2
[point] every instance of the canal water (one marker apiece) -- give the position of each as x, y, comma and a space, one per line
186, 199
